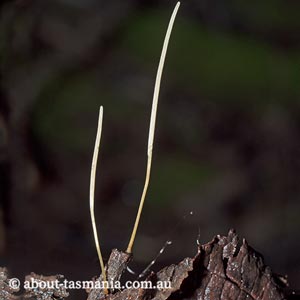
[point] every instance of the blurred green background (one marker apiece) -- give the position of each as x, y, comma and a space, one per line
227, 143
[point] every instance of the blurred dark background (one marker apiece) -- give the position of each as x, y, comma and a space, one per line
227, 143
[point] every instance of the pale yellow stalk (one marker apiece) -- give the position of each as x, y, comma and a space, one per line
152, 125
92, 194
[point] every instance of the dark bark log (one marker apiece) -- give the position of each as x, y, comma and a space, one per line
220, 270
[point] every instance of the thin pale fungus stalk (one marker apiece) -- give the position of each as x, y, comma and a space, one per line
92, 194
152, 126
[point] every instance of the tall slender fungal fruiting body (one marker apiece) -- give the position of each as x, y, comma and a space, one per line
152, 126
92, 193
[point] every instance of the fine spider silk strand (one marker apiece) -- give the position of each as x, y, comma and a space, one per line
92, 193
152, 126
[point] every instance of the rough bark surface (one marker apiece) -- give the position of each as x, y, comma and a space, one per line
49, 292
115, 267
222, 269
6, 291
